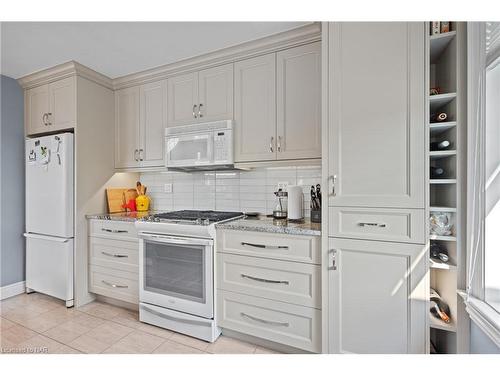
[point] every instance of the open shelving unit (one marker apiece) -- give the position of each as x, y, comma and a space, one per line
447, 71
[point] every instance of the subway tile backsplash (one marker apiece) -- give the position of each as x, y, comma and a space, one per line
227, 190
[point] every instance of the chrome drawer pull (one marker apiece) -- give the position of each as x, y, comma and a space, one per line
113, 255
113, 285
378, 225
269, 322
264, 246
264, 280
114, 230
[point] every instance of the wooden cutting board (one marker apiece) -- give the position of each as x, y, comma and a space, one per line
117, 197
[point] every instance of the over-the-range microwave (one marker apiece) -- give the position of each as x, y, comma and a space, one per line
203, 146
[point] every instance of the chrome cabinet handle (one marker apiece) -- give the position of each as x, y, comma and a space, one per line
141, 152
113, 285
194, 111
113, 255
378, 225
264, 280
269, 322
279, 143
48, 115
114, 230
44, 119
200, 115
271, 145
135, 155
333, 267
272, 247
334, 178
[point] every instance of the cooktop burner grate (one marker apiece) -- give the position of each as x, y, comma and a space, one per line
194, 215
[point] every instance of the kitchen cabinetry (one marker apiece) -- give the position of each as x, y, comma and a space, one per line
376, 110
278, 105
375, 271
51, 107
269, 287
114, 260
377, 297
140, 120
201, 96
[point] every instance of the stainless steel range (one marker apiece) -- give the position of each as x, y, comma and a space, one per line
176, 281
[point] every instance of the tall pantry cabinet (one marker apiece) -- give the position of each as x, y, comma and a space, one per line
375, 264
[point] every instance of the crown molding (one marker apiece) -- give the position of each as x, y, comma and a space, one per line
61, 71
276, 42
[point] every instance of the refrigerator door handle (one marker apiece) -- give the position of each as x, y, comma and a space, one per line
48, 238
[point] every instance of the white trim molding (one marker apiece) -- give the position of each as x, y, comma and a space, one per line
12, 290
486, 318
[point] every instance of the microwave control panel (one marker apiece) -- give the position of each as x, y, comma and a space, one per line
222, 148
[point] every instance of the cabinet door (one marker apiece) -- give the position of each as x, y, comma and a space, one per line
127, 127
183, 99
376, 114
36, 109
255, 109
62, 104
153, 112
377, 297
299, 102
216, 93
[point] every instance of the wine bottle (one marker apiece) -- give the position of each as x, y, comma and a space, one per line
439, 146
437, 172
439, 308
439, 253
439, 117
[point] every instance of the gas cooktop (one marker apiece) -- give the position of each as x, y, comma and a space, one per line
194, 216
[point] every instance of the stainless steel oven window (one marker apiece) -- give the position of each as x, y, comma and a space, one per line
175, 270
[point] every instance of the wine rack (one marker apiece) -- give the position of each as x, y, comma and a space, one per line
447, 122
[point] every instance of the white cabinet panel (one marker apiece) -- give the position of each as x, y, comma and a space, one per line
62, 104
255, 109
215, 93
153, 107
376, 114
377, 297
36, 109
299, 102
126, 127
182, 99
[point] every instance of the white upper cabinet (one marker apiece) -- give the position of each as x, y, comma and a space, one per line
215, 88
51, 107
376, 113
182, 99
299, 102
127, 127
153, 113
255, 109
377, 297
201, 96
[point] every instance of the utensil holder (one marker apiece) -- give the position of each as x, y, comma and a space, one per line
316, 216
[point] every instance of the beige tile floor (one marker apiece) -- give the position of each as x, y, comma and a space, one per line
36, 323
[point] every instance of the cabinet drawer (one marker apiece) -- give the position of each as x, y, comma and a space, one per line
113, 283
292, 325
384, 224
123, 230
279, 280
304, 249
121, 255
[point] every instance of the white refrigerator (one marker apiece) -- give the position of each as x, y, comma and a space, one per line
49, 216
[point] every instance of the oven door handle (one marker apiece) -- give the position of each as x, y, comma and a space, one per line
174, 240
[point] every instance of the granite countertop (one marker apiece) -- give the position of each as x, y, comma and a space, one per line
121, 216
270, 225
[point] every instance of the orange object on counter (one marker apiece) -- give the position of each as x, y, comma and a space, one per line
142, 203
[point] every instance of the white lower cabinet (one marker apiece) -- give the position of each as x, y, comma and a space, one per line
114, 260
288, 324
377, 297
269, 286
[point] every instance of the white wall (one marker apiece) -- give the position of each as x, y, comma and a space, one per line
231, 191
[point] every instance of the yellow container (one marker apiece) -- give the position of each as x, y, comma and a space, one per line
142, 202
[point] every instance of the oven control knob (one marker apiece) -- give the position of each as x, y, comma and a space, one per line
206, 222
199, 221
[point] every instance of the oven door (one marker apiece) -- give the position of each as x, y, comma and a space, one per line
177, 273
189, 150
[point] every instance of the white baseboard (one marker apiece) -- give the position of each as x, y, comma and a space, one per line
12, 290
